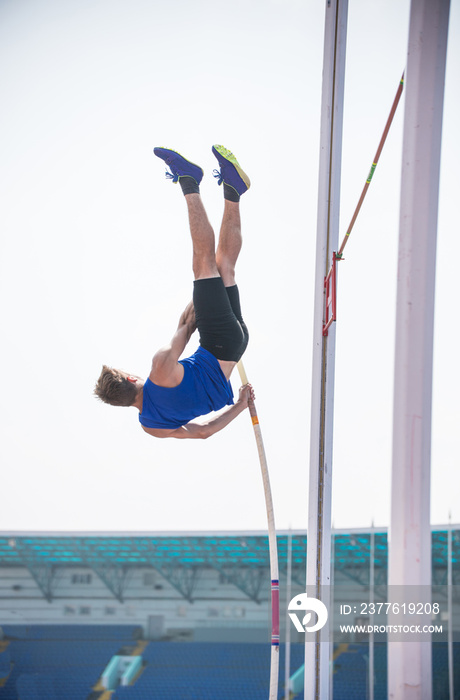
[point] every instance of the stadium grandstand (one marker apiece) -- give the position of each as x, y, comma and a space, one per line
186, 616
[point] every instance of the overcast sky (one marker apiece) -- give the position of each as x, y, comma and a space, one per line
96, 257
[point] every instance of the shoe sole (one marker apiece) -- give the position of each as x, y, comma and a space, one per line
228, 155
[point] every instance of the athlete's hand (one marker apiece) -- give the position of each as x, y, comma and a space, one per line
246, 395
188, 318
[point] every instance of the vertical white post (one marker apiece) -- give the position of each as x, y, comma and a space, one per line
331, 615
450, 612
409, 662
287, 663
371, 620
318, 654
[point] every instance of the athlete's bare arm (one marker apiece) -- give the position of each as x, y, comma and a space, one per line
195, 430
166, 371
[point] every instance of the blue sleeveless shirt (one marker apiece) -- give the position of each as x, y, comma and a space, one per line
204, 388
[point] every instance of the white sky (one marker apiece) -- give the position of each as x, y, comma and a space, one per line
95, 257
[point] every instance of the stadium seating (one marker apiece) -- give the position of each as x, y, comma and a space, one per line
64, 632
5, 663
204, 671
53, 662
63, 662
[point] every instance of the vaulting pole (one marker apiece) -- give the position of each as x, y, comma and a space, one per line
409, 561
318, 654
274, 574
287, 662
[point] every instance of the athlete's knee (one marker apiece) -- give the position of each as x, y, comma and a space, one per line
226, 271
204, 267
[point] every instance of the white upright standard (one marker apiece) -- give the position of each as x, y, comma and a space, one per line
409, 662
318, 654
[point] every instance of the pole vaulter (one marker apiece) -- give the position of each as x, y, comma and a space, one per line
179, 391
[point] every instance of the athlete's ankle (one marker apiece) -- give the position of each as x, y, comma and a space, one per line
189, 185
230, 193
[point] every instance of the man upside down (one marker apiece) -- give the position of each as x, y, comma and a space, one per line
179, 391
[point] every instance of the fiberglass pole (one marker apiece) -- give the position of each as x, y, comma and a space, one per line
287, 663
275, 589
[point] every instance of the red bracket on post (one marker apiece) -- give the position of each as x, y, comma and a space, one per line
330, 286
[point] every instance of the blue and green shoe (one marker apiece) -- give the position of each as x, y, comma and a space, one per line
230, 173
179, 166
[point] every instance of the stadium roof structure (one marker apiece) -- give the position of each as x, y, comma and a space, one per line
242, 558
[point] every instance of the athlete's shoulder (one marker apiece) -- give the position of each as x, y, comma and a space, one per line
166, 371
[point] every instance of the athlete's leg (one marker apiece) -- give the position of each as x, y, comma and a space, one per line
203, 241
235, 182
230, 242
216, 301
189, 176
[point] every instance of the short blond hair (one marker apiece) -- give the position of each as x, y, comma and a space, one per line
114, 388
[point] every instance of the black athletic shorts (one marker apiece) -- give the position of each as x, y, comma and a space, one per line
222, 330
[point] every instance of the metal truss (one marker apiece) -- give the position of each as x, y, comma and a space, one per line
116, 578
242, 559
45, 575
249, 580
181, 575
182, 578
